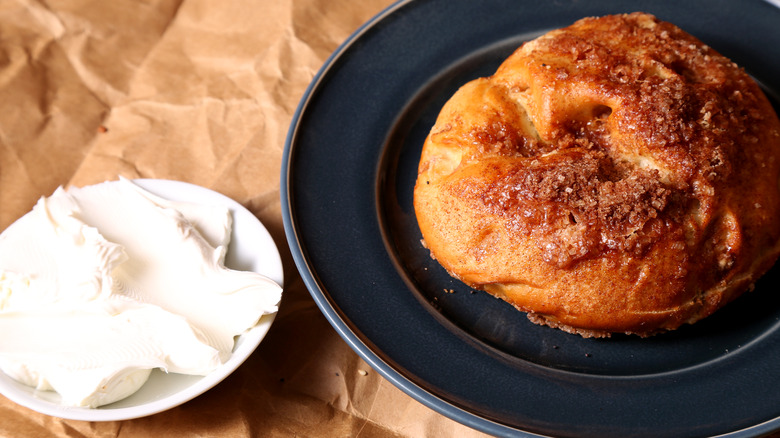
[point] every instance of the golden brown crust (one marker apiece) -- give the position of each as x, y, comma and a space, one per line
616, 175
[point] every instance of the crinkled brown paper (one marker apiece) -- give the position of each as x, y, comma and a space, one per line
201, 91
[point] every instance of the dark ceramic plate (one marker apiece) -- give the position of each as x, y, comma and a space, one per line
348, 172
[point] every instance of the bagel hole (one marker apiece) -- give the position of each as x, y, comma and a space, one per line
725, 240
520, 97
682, 68
601, 112
695, 211
655, 70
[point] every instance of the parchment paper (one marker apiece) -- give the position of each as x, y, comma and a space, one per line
200, 91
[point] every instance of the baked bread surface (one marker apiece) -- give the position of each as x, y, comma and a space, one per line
616, 175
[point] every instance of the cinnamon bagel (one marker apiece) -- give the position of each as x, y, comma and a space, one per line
613, 176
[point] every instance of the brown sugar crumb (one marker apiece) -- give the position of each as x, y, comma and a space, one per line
579, 204
581, 181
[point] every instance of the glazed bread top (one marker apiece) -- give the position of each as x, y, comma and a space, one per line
616, 175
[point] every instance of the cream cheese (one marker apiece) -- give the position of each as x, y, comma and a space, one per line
101, 284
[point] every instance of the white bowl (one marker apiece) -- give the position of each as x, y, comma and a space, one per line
251, 249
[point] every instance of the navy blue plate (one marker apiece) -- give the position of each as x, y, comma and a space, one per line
349, 168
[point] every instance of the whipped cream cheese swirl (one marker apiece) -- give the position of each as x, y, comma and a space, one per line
101, 284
